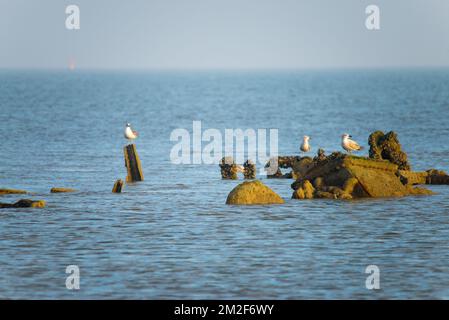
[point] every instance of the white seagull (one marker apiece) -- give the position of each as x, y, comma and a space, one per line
129, 133
305, 146
348, 144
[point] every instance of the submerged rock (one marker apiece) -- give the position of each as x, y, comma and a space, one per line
253, 192
387, 147
419, 191
305, 190
61, 190
24, 203
437, 177
12, 191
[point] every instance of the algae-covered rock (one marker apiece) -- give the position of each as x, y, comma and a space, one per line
386, 173
321, 156
299, 194
303, 190
387, 147
419, 191
346, 177
308, 189
437, 177
253, 192
349, 185
318, 182
249, 170
228, 168
325, 195
301, 165
412, 177
24, 203
61, 190
11, 191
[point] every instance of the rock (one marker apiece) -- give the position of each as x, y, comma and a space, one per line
437, 177
318, 183
228, 168
294, 176
298, 194
253, 192
347, 176
249, 170
427, 177
387, 147
325, 195
286, 162
320, 156
338, 193
435, 172
301, 165
386, 173
345, 196
11, 191
277, 175
24, 203
303, 190
308, 189
412, 177
419, 191
349, 185
61, 190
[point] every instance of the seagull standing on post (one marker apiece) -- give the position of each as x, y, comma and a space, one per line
305, 146
348, 144
129, 133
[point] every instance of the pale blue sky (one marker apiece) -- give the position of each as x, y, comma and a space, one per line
223, 34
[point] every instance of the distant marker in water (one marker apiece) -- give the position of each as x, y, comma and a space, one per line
72, 64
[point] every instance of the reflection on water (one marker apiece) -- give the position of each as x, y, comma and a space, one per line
172, 236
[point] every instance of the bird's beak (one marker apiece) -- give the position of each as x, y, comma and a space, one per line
350, 136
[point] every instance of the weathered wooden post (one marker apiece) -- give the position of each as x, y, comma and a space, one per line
132, 163
118, 185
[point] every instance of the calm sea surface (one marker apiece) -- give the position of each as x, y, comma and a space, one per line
172, 236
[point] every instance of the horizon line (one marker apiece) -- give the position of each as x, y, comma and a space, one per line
223, 69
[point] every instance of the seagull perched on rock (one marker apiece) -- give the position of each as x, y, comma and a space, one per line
305, 146
348, 144
130, 134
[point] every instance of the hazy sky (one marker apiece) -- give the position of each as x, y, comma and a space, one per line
223, 34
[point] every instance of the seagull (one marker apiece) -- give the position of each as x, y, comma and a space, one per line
348, 144
305, 146
129, 133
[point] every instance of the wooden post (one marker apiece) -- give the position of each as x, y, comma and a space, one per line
132, 163
118, 186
